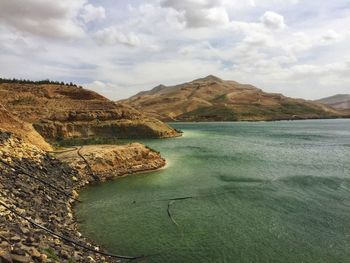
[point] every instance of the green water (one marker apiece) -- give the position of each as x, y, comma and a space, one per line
261, 192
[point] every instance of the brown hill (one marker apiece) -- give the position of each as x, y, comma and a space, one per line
339, 101
213, 99
21, 129
61, 111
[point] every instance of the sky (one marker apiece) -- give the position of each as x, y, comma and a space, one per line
118, 47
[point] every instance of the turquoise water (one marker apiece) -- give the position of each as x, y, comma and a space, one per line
260, 192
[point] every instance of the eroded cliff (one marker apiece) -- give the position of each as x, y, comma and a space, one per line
60, 111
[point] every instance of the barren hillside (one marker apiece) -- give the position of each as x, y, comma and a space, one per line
339, 101
213, 99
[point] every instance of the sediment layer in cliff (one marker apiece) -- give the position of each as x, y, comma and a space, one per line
60, 111
110, 161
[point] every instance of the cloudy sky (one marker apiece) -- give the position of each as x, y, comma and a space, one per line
117, 47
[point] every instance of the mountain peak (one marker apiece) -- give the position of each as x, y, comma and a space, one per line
210, 78
159, 87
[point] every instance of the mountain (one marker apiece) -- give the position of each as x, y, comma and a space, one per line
214, 99
59, 111
339, 101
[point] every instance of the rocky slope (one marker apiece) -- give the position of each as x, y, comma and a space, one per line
38, 190
60, 111
22, 129
339, 101
213, 99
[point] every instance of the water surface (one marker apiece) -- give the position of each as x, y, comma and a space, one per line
260, 192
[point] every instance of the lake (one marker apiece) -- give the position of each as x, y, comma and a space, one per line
232, 192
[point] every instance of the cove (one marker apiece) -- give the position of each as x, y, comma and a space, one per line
259, 192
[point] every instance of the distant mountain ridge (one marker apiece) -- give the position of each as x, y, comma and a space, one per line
339, 101
213, 99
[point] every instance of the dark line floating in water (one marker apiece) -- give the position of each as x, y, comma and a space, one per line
169, 214
180, 198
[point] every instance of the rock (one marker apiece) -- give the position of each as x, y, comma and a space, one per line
43, 258
30, 240
64, 254
90, 259
35, 253
19, 251
20, 259
5, 256
75, 194
15, 238
24, 230
4, 244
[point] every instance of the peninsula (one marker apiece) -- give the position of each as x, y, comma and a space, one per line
38, 185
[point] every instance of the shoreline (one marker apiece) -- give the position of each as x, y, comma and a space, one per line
79, 188
258, 121
91, 183
49, 201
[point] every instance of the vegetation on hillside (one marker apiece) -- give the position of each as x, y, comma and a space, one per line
39, 82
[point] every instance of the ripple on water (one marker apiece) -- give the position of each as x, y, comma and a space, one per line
260, 192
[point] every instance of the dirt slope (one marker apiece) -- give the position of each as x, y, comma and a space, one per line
22, 129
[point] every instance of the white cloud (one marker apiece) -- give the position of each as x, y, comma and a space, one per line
54, 19
200, 13
103, 88
51, 19
330, 36
91, 13
174, 41
273, 20
320, 71
97, 84
112, 36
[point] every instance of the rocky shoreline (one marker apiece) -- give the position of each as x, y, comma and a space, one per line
38, 190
